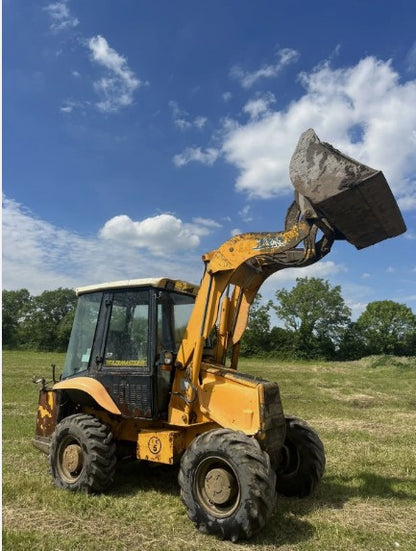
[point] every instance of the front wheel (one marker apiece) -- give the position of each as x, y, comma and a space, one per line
302, 463
82, 454
227, 484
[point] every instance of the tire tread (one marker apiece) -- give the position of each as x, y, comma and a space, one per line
259, 480
98, 446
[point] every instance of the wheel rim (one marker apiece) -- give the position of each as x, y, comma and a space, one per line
70, 460
217, 486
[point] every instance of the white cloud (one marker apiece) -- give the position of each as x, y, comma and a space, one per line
199, 122
117, 87
259, 106
356, 307
208, 222
61, 18
160, 234
196, 154
70, 105
285, 56
408, 202
261, 153
411, 59
182, 119
322, 269
286, 278
410, 235
38, 255
364, 110
245, 213
357, 296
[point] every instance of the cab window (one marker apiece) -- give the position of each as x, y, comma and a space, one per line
173, 312
128, 332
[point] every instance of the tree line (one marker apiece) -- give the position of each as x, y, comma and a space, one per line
40, 322
316, 324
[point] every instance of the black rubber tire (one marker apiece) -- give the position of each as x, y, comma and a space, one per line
82, 454
302, 460
246, 503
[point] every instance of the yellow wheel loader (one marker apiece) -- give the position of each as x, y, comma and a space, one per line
151, 367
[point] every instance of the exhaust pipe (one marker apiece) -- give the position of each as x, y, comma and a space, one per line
355, 199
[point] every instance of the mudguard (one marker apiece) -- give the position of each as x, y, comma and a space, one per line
93, 388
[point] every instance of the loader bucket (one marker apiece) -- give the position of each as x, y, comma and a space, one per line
355, 199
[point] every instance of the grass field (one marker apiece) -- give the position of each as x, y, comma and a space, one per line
365, 413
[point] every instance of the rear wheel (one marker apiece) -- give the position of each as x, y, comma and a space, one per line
82, 454
302, 462
227, 484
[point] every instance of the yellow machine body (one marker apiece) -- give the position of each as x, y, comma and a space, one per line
151, 367
200, 391
224, 398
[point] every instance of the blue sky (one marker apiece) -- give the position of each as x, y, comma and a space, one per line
139, 135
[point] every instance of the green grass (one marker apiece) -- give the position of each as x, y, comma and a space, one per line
365, 413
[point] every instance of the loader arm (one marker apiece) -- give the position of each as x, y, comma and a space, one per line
335, 195
233, 274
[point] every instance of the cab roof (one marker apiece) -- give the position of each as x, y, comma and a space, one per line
161, 283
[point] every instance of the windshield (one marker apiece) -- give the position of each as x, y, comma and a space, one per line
82, 334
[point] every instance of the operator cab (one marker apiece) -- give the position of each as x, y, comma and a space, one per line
121, 336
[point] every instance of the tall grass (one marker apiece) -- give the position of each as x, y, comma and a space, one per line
364, 411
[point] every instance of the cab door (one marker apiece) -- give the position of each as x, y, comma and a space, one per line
125, 359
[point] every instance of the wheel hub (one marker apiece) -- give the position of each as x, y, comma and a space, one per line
72, 458
219, 486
